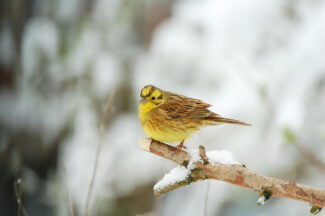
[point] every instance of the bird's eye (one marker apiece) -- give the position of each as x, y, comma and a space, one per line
153, 98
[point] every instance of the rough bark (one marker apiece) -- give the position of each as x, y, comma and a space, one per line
234, 174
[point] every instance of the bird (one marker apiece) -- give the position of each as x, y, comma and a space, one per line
170, 117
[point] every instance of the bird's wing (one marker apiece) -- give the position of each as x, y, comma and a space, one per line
179, 106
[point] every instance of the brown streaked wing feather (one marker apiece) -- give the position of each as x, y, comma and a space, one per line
179, 106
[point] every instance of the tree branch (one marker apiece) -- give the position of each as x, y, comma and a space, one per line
234, 174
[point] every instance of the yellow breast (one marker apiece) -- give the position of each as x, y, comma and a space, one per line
163, 130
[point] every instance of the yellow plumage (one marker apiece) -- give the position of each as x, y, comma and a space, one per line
169, 117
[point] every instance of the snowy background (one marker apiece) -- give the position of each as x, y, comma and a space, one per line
262, 62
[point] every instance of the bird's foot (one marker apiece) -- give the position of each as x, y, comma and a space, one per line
181, 145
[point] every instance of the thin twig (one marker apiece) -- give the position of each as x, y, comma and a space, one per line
19, 195
206, 199
234, 174
102, 130
109, 104
310, 157
24, 211
203, 155
71, 207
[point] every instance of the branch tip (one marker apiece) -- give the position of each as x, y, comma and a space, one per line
145, 144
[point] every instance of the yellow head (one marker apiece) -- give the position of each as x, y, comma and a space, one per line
151, 97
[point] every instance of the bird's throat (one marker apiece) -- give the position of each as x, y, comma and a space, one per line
144, 109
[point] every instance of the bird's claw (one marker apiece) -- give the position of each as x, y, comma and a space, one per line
181, 146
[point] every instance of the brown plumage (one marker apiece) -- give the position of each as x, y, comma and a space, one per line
180, 106
170, 117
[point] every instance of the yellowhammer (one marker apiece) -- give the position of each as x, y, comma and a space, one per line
170, 117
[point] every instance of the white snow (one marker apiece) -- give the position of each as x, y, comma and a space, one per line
177, 174
221, 157
40, 40
261, 200
106, 73
180, 173
195, 156
215, 157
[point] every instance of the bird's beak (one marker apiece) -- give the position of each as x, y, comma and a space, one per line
143, 100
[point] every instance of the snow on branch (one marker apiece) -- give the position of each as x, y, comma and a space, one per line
220, 165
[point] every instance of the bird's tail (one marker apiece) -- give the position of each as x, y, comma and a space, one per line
219, 120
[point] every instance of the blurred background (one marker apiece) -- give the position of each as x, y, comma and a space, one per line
262, 62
